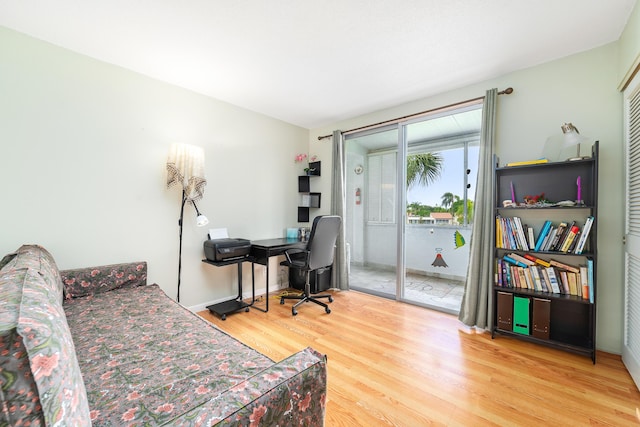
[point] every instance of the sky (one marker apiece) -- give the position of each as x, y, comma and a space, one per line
451, 179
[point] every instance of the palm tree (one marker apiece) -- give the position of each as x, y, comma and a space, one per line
447, 200
423, 168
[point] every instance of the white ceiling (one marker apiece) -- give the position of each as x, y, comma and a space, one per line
314, 62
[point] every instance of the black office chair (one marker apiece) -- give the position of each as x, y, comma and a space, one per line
318, 255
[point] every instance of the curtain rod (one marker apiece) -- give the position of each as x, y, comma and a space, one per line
507, 91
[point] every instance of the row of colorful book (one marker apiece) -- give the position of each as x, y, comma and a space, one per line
566, 237
529, 272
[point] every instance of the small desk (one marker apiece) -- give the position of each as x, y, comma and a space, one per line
262, 250
237, 304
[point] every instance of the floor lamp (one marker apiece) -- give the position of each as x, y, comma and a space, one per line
185, 165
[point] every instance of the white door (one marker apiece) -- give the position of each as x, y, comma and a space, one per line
631, 347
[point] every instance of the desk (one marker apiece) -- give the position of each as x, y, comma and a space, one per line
262, 250
236, 304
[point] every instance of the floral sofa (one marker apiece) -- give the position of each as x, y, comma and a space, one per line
98, 346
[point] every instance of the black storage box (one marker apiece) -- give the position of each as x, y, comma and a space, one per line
319, 280
226, 249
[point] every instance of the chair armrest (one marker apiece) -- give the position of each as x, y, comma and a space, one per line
292, 251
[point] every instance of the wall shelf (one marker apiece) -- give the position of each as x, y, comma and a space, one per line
308, 199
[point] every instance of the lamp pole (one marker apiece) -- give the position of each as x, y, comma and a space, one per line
201, 221
184, 200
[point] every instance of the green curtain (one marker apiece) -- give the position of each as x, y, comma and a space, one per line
339, 275
476, 308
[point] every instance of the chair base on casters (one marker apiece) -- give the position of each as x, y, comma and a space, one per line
306, 297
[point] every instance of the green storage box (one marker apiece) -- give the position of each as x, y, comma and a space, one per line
521, 315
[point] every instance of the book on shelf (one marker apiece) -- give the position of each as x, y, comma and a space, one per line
553, 280
563, 266
573, 245
524, 245
542, 235
546, 281
513, 261
565, 234
582, 241
531, 237
568, 240
546, 244
564, 281
573, 283
537, 260
509, 241
524, 260
590, 273
558, 236
525, 279
514, 277
535, 273
566, 237
528, 162
506, 271
584, 281
510, 234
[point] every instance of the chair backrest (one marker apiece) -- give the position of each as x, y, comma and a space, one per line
322, 241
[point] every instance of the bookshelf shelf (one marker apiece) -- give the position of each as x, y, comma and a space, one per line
552, 305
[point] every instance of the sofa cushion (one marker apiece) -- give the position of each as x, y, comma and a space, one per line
144, 357
33, 322
88, 281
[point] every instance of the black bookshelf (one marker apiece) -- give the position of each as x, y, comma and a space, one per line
525, 310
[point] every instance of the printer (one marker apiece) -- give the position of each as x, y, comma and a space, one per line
226, 249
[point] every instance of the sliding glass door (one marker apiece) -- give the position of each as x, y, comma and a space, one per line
410, 208
372, 200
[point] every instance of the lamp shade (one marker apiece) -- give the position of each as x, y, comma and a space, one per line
185, 165
566, 146
571, 141
202, 220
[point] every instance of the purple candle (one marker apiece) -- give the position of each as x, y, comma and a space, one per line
579, 184
513, 193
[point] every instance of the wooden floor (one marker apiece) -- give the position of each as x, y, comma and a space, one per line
394, 364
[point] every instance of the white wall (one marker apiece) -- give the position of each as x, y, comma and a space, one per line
629, 47
84, 148
579, 89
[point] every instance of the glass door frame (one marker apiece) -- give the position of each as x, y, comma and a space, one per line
401, 213
403, 150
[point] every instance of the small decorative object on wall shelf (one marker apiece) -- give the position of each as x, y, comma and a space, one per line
313, 169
